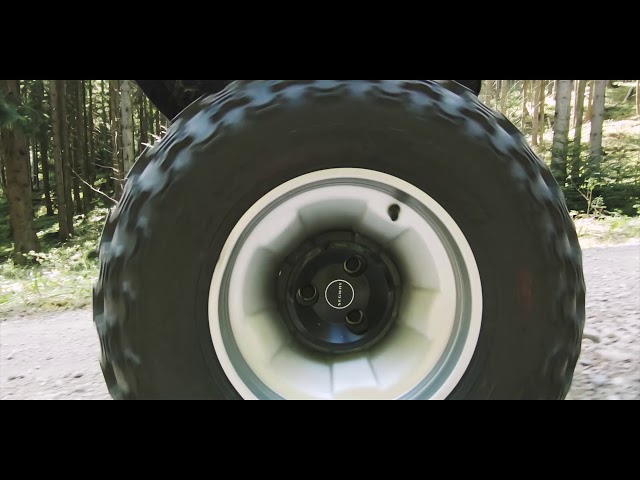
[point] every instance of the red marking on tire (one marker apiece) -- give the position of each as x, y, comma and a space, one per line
525, 291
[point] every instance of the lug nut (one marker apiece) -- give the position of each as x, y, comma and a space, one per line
355, 318
354, 266
307, 296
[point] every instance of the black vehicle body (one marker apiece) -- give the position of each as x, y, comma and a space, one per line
173, 96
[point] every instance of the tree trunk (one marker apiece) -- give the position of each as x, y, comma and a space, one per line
29, 163
46, 175
488, 92
92, 144
105, 99
81, 133
638, 97
592, 87
116, 163
35, 180
578, 103
127, 128
106, 116
597, 123
85, 129
74, 144
580, 87
538, 91
23, 96
525, 98
144, 135
57, 120
15, 155
561, 131
66, 155
578, 118
135, 104
3, 176
504, 97
43, 139
151, 121
157, 121
542, 121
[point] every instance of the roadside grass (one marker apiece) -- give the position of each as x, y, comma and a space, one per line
59, 277
62, 275
606, 231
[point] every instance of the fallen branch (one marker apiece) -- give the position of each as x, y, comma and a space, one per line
108, 167
630, 93
113, 200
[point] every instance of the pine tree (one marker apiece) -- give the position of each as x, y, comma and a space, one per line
561, 130
59, 146
597, 123
127, 127
15, 154
578, 119
116, 137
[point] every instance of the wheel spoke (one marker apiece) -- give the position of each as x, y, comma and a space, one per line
442, 310
281, 233
252, 279
417, 308
414, 259
375, 222
264, 335
401, 357
338, 213
353, 377
301, 374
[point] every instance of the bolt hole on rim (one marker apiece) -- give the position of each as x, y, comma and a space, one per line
394, 212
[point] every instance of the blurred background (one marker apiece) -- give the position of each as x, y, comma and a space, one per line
67, 145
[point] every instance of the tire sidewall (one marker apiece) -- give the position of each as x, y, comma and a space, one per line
467, 176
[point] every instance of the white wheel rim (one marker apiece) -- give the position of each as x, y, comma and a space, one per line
425, 354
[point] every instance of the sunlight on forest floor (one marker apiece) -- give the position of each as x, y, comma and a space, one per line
62, 276
65, 275
605, 231
621, 131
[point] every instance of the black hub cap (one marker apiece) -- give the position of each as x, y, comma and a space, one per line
338, 293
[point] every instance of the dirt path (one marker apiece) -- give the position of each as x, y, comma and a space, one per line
55, 356
610, 364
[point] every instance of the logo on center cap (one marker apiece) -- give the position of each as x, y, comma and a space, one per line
340, 294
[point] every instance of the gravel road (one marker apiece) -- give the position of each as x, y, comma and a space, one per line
54, 356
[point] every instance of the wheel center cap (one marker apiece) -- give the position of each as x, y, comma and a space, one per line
340, 294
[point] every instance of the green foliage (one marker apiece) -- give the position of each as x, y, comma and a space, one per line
4, 220
608, 230
605, 194
617, 107
599, 199
24, 117
613, 181
61, 276
9, 115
